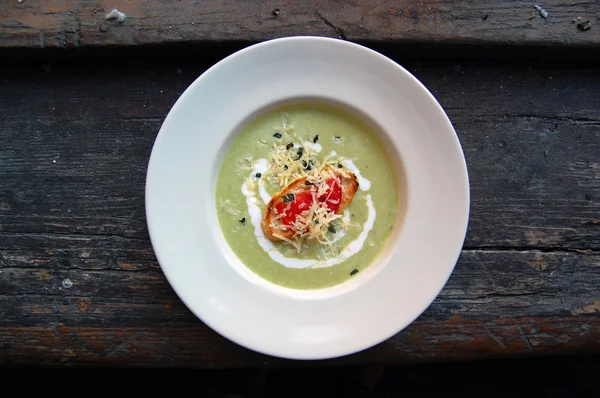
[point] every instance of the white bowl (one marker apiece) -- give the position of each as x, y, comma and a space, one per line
211, 280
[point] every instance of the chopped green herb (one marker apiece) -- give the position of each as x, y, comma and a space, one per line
291, 197
285, 167
337, 137
300, 152
285, 199
307, 183
243, 220
258, 175
277, 135
316, 139
340, 166
316, 221
353, 272
289, 146
331, 229
306, 165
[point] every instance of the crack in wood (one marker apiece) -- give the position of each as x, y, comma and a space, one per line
339, 31
61, 42
525, 338
73, 235
77, 30
532, 249
497, 295
497, 339
71, 267
590, 120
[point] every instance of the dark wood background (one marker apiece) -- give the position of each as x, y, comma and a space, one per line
80, 23
77, 124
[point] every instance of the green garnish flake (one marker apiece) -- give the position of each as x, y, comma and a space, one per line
258, 175
353, 272
316, 139
331, 229
316, 221
285, 167
289, 146
243, 220
300, 152
307, 183
337, 137
290, 197
277, 135
340, 166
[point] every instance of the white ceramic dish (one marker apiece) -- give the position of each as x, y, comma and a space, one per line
218, 288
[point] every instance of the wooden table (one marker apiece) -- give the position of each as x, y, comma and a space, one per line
79, 283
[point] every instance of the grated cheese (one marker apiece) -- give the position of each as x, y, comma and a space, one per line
228, 206
290, 159
245, 164
313, 223
287, 164
261, 143
286, 127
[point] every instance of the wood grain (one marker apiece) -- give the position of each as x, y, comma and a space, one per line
496, 304
79, 284
80, 24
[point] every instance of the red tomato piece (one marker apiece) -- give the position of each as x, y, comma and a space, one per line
302, 201
333, 195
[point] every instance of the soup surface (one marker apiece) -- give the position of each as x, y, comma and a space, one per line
255, 168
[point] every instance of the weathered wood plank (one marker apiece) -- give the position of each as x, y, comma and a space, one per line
485, 285
495, 304
81, 24
195, 347
531, 138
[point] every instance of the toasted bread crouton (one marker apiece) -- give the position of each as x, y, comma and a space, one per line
349, 186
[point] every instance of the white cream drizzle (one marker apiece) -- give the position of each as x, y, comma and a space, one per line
261, 166
363, 183
315, 146
255, 212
